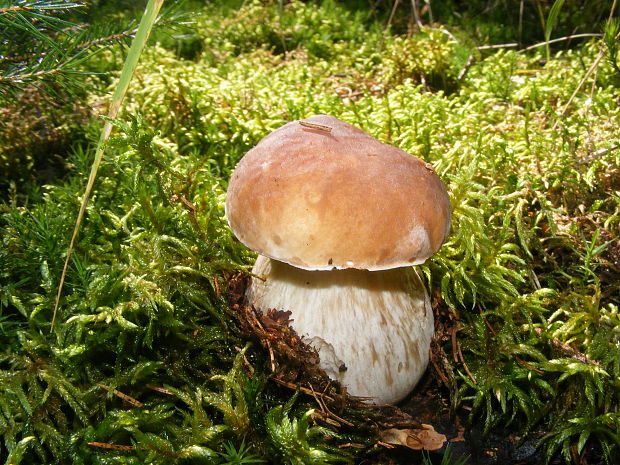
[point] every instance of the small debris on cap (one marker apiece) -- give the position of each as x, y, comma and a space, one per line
320, 127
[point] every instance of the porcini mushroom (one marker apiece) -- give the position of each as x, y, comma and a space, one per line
338, 219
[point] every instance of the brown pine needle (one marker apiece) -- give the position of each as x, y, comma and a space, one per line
159, 389
105, 445
130, 400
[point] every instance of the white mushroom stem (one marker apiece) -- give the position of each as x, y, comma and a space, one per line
372, 328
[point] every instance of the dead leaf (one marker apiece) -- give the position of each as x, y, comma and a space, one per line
425, 438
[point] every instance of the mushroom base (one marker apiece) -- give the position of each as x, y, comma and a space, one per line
372, 329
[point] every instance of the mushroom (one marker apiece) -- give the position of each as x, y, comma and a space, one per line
337, 219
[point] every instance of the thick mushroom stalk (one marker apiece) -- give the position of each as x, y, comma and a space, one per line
372, 329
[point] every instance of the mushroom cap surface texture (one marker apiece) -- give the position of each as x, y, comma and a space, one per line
321, 194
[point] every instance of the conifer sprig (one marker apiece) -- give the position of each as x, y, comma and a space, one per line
45, 44
37, 45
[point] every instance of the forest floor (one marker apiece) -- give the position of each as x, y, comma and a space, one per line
147, 364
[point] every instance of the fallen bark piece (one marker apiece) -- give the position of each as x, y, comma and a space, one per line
425, 438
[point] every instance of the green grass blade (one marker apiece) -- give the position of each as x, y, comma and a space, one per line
138, 44
552, 20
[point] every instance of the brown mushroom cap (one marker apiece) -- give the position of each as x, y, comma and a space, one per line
322, 194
